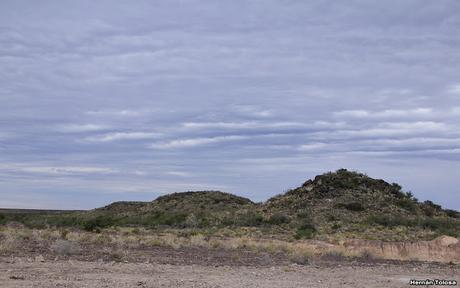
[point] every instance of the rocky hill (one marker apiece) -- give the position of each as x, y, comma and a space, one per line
332, 206
348, 204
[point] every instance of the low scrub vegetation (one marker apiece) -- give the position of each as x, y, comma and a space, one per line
115, 244
442, 226
332, 206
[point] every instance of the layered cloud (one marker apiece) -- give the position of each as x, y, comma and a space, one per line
154, 97
77, 128
54, 170
116, 136
393, 113
193, 142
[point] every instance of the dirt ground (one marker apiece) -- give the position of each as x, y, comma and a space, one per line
26, 272
29, 259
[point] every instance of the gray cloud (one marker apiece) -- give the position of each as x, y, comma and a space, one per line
110, 101
116, 136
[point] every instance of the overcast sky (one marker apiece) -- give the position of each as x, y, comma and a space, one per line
127, 100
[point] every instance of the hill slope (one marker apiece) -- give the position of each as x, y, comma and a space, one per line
333, 206
180, 210
350, 204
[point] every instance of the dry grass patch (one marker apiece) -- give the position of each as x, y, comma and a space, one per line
65, 247
117, 242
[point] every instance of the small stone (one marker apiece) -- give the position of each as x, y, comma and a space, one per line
39, 258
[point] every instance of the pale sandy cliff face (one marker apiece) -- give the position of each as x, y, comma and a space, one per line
443, 249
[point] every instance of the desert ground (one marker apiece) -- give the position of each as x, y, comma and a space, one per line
26, 272
52, 258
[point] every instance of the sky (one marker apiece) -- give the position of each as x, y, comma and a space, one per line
103, 101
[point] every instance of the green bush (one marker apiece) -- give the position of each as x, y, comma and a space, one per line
452, 213
352, 206
168, 219
64, 221
428, 210
332, 217
98, 223
407, 204
336, 226
278, 218
304, 214
91, 226
395, 189
305, 231
389, 221
432, 205
440, 225
248, 218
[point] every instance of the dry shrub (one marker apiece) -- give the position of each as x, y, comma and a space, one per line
367, 256
65, 247
132, 241
121, 240
102, 239
168, 240
64, 233
337, 256
199, 241
8, 243
14, 225
23, 234
153, 242
215, 244
80, 236
118, 255
48, 235
300, 258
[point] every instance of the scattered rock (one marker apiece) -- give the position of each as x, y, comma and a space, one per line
266, 259
65, 247
39, 258
15, 225
446, 241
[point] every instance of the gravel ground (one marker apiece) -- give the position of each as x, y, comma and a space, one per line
26, 272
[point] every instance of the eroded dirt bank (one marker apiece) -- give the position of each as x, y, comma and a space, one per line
21, 272
443, 249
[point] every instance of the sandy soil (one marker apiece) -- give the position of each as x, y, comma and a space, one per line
27, 272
